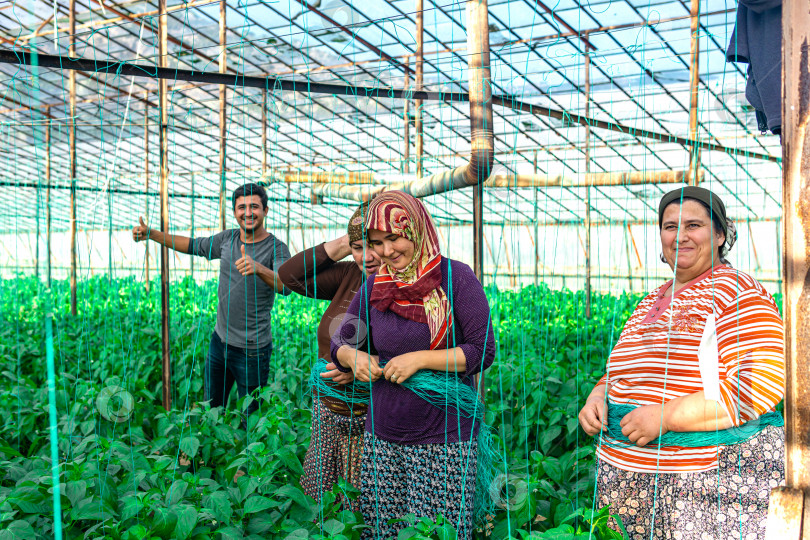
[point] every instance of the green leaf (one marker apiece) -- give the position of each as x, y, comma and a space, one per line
230, 533
257, 503
561, 512
189, 445
220, 506
294, 493
176, 492
291, 460
548, 438
138, 532
571, 425
130, 507
565, 532
8, 451
186, 521
551, 466
578, 513
18, 530
87, 426
88, 509
163, 522
504, 528
446, 532
261, 523
29, 499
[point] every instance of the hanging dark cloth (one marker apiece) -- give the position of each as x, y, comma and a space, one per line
757, 41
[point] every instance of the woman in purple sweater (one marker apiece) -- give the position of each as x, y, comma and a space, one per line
423, 312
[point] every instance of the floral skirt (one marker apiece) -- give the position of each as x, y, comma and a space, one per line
420, 479
728, 503
334, 451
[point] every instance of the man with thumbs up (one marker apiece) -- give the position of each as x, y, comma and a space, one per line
249, 256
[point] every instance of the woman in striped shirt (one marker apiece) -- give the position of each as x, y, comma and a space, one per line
689, 444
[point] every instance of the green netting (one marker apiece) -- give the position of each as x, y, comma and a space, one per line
126, 468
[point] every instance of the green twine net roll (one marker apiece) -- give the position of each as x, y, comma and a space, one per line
688, 439
351, 394
446, 392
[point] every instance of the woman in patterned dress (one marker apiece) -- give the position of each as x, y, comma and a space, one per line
337, 420
422, 312
693, 446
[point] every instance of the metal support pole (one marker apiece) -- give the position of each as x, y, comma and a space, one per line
146, 186
757, 266
109, 233
72, 158
128, 69
694, 80
536, 229
481, 116
789, 508
264, 132
164, 207
48, 197
39, 232
191, 202
628, 256
420, 42
288, 216
222, 117
406, 121
588, 188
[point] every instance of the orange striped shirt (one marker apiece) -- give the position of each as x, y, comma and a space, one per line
656, 359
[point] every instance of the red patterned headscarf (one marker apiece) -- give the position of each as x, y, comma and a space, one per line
415, 292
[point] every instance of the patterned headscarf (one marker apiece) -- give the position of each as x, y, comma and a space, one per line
415, 292
357, 224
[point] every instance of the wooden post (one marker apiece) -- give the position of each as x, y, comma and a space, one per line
420, 42
146, 184
536, 229
587, 188
694, 80
406, 166
789, 508
779, 252
164, 206
72, 157
48, 197
222, 116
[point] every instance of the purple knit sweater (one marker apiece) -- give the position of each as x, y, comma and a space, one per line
397, 414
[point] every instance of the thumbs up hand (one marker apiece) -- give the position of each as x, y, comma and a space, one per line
141, 231
245, 264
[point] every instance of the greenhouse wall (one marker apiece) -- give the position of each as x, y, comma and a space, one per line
618, 251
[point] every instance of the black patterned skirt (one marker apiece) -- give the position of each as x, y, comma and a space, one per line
730, 502
421, 479
334, 451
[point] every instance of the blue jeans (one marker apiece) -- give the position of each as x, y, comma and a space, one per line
248, 368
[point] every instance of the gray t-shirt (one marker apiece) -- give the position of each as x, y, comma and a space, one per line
245, 302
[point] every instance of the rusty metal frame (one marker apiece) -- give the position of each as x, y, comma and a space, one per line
126, 17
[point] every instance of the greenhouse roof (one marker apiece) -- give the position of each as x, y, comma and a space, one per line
639, 56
